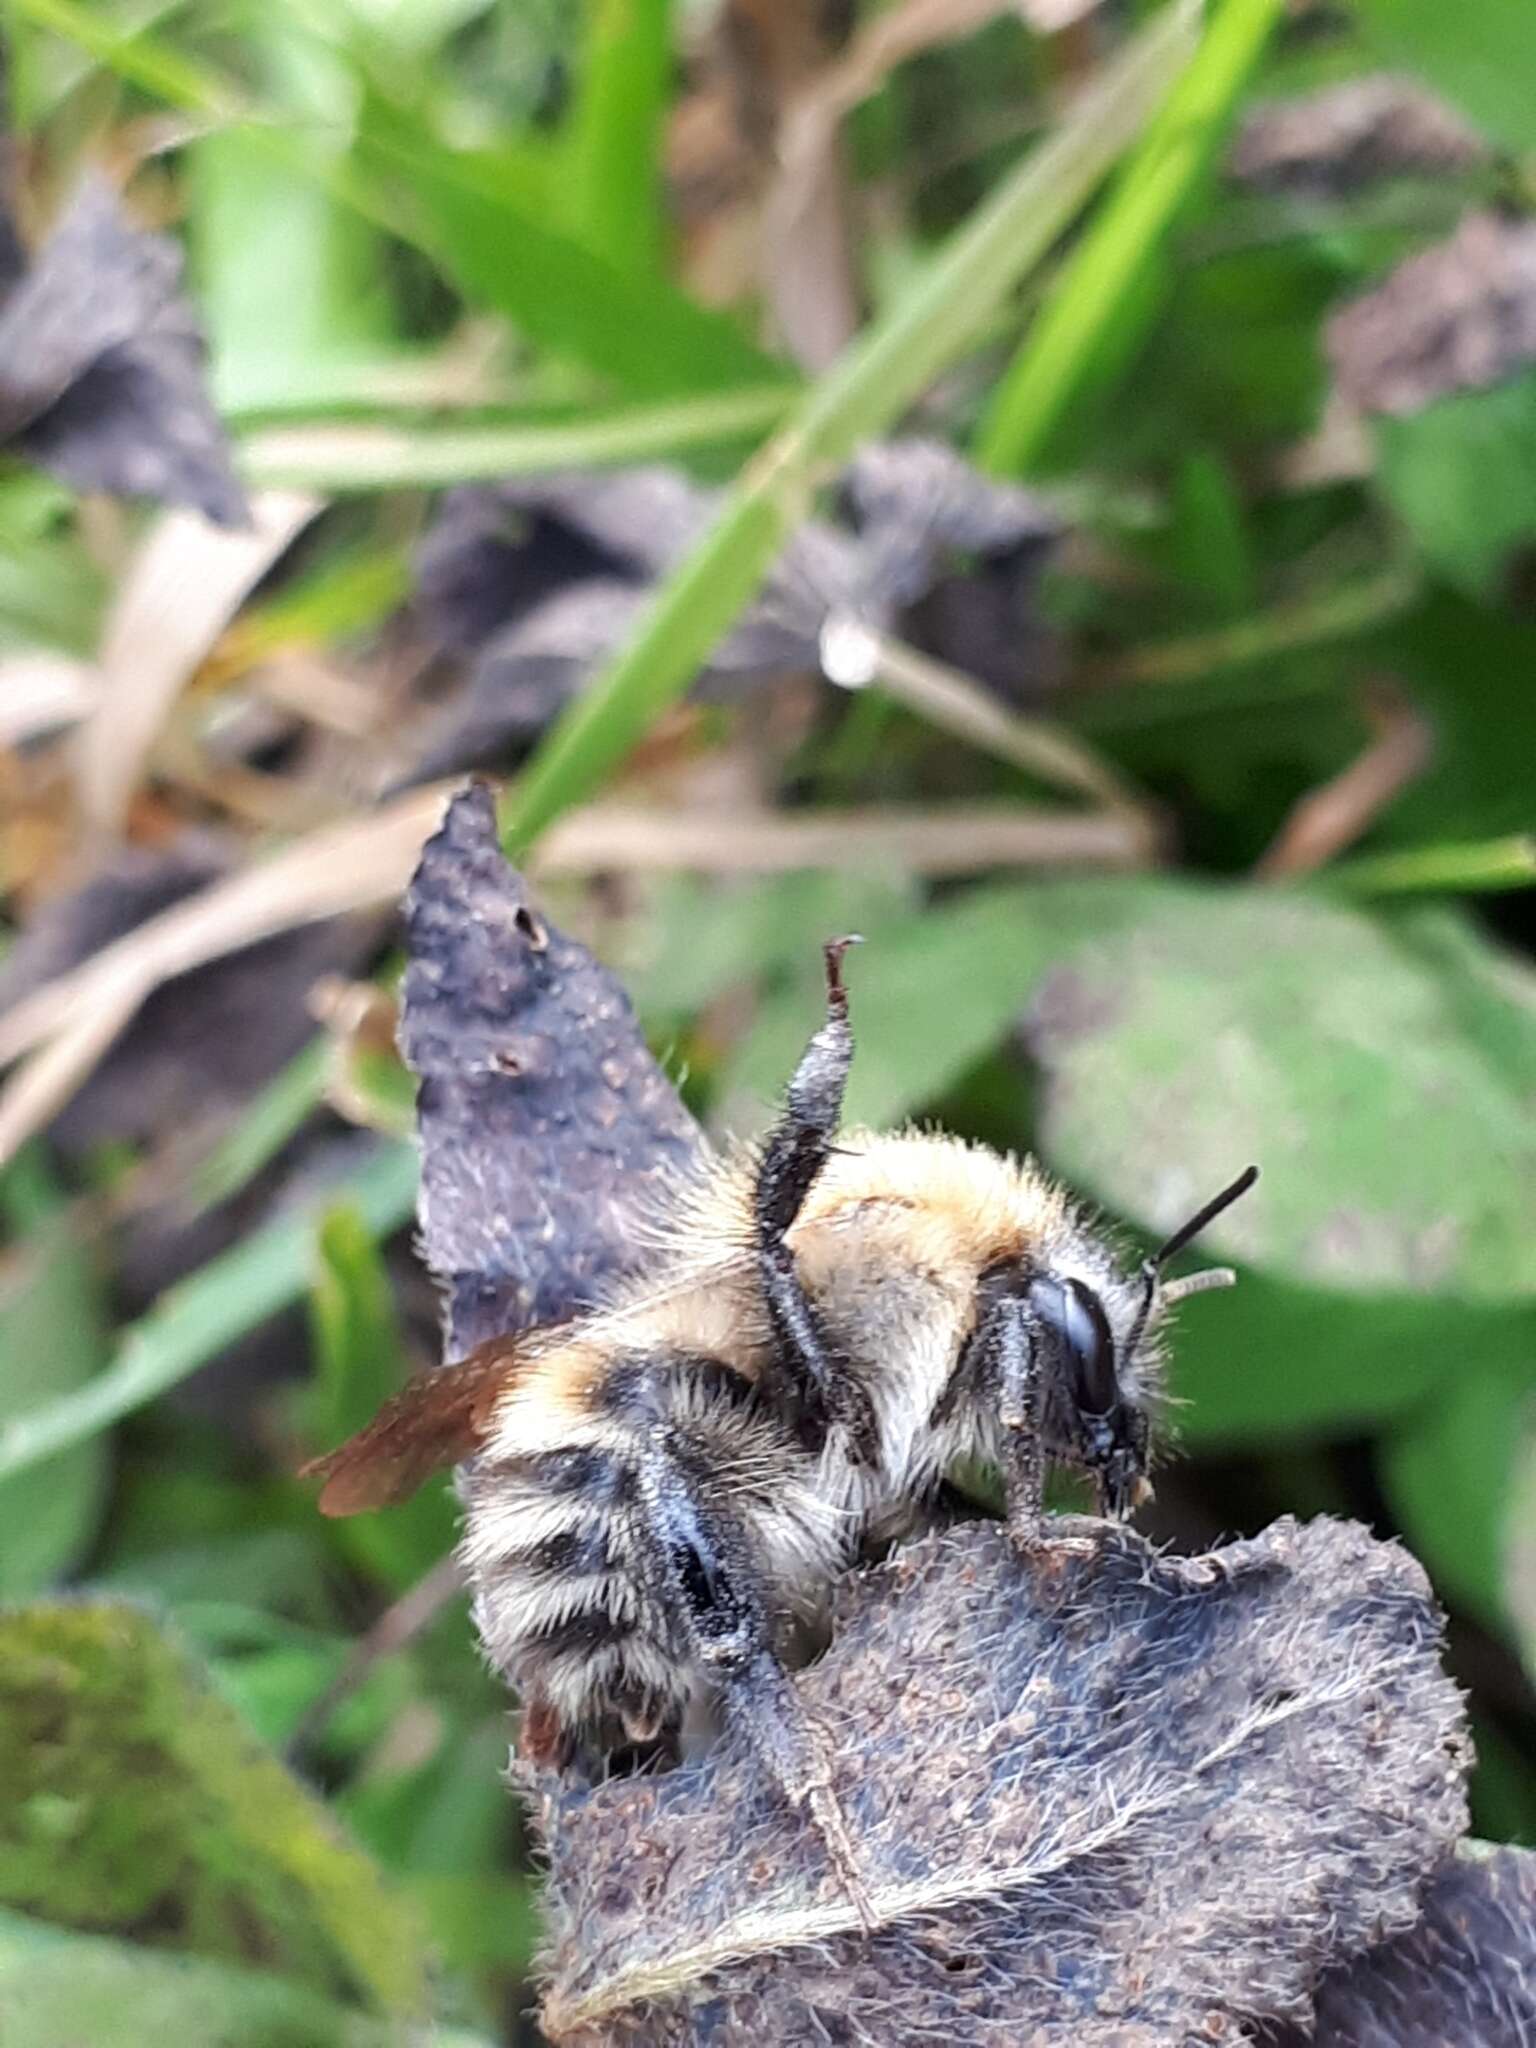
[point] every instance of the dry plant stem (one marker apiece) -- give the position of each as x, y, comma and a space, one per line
1310, 621
396, 1628
69, 1024
185, 585
806, 197
1044, 749
41, 692
1337, 813
74, 1019
961, 840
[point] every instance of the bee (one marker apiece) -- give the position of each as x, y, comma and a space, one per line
660, 1493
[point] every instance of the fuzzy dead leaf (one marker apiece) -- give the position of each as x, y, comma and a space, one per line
543, 1117
1127, 1801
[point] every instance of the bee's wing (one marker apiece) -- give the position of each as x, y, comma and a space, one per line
437, 1418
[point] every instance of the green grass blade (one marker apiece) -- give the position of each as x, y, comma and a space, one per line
863, 394
345, 456
614, 131
640, 330
1486, 864
196, 1320
1096, 314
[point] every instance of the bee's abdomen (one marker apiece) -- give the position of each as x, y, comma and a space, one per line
561, 1602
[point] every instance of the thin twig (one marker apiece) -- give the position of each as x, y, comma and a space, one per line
396, 1628
856, 655
963, 839
1340, 811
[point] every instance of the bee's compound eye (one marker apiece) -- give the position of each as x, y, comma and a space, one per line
1076, 1316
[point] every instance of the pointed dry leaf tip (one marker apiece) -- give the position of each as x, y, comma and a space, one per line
1127, 1801
545, 1123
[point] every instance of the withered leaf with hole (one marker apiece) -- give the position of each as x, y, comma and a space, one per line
1460, 316
101, 366
1123, 1801
1463, 1977
545, 1123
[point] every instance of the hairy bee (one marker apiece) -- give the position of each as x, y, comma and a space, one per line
660, 1493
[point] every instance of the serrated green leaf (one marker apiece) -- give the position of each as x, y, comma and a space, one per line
135, 1799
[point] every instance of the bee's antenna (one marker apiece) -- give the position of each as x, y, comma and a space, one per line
1193, 1283
1188, 1232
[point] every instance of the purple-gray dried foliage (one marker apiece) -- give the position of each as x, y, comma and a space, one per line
1460, 316
536, 581
1463, 1977
102, 365
1134, 1800
1348, 135
544, 1121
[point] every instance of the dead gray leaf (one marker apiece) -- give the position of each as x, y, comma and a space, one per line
537, 581
1460, 316
101, 365
1349, 135
1464, 1977
543, 1118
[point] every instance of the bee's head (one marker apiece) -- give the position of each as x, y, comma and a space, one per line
1092, 1330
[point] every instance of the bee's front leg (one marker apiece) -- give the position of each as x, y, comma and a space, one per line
816, 1385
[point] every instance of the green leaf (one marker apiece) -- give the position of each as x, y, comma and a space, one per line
253, 219
1271, 1362
1448, 1472
614, 129
52, 1337
931, 993
360, 1362
1229, 1026
136, 1800
64, 1990
1481, 55
647, 335
1461, 475
195, 1320
1518, 1562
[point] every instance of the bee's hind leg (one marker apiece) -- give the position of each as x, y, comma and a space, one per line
812, 1381
701, 1569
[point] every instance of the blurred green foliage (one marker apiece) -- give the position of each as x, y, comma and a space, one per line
359, 184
